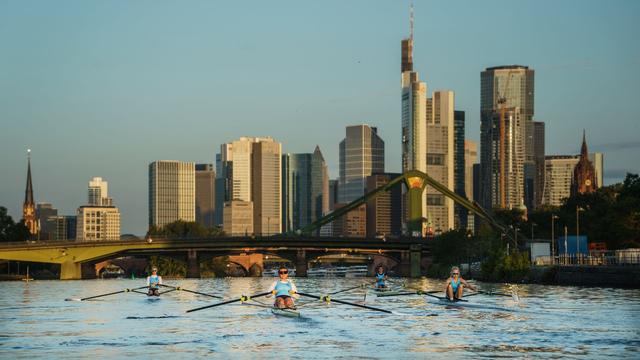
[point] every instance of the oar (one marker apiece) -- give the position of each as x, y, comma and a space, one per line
430, 293
419, 292
242, 298
493, 293
107, 294
361, 286
472, 294
513, 295
397, 282
168, 291
327, 299
178, 288
396, 294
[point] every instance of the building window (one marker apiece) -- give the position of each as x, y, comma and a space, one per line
435, 199
435, 159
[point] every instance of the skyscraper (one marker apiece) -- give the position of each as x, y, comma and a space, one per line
44, 211
99, 220
361, 154
98, 193
238, 218
538, 159
505, 148
558, 174
414, 133
384, 216
63, 227
597, 159
470, 159
334, 192
249, 169
267, 186
305, 189
234, 166
29, 206
205, 194
440, 158
459, 160
171, 192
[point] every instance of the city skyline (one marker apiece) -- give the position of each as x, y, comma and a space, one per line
56, 96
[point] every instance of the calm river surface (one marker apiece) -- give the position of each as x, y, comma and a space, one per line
549, 322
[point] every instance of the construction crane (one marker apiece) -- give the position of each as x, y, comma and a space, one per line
502, 103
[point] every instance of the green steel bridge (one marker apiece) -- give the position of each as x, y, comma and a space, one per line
299, 247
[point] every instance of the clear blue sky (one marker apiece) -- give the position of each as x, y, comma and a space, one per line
103, 88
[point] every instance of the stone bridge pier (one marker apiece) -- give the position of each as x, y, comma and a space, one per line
193, 265
302, 263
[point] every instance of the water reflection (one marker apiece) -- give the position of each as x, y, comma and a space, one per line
550, 321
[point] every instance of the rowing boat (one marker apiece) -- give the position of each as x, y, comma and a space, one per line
285, 312
467, 304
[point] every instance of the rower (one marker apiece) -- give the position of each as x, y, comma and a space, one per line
153, 282
381, 277
455, 285
284, 290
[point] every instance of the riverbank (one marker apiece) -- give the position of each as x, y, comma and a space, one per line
583, 275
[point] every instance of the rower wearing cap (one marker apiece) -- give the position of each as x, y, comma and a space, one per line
153, 282
455, 285
381, 277
284, 290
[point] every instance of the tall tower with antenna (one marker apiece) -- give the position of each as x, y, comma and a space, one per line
414, 127
407, 47
29, 206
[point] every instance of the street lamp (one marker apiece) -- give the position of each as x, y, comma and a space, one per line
532, 225
578, 209
553, 239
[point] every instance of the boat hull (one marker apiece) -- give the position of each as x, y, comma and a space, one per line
285, 312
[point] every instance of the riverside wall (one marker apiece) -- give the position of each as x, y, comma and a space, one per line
583, 275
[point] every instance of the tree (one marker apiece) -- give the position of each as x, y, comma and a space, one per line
11, 231
182, 228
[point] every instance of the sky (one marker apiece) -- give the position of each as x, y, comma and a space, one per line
103, 88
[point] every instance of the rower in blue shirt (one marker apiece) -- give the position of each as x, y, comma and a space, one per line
381, 277
284, 290
454, 287
153, 282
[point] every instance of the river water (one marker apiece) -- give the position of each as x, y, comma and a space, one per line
547, 322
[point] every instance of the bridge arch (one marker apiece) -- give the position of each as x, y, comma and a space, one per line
415, 182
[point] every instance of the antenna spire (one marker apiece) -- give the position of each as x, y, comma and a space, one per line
411, 22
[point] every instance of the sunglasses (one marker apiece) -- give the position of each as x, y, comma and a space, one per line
455, 273
283, 272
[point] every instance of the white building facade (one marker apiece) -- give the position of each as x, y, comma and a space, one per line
98, 223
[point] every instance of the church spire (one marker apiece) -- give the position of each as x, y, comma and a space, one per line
584, 179
28, 194
29, 206
584, 153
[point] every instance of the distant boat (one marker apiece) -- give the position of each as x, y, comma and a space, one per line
274, 272
339, 271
